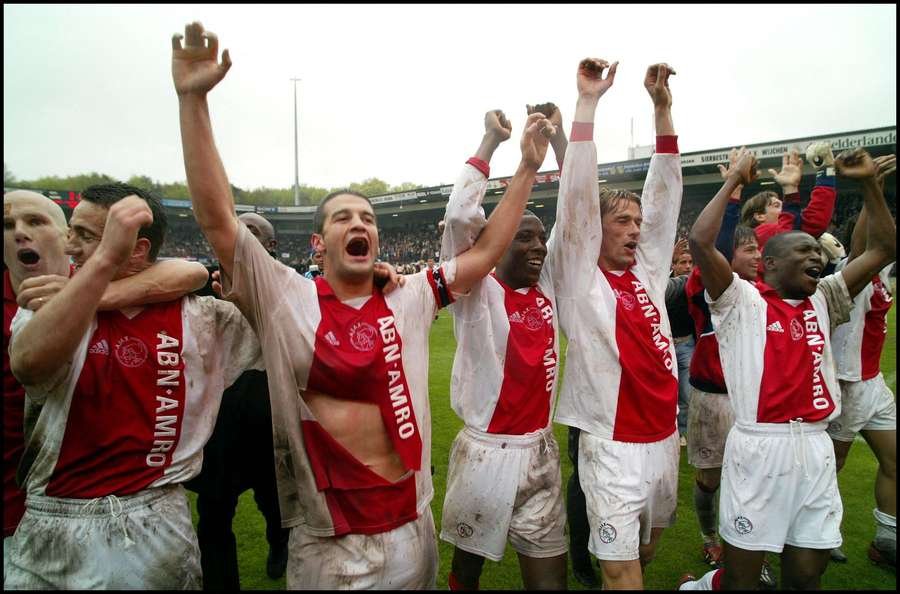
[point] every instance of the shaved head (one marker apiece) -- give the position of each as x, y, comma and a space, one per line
34, 236
260, 228
39, 201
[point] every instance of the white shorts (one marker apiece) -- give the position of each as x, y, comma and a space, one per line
710, 418
143, 541
505, 486
629, 488
780, 487
867, 405
405, 558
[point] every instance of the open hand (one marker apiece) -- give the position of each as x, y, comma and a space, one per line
195, 68
791, 172
591, 83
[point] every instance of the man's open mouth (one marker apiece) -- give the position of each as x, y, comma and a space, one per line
28, 257
358, 246
814, 272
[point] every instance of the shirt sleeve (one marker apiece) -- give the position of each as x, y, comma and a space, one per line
238, 341
464, 217
833, 290
574, 244
463, 221
725, 239
660, 203
260, 284
817, 214
40, 391
726, 308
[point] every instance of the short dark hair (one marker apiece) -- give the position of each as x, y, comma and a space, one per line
106, 195
319, 217
743, 235
755, 205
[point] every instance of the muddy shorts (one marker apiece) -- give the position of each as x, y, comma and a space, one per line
503, 487
404, 558
709, 420
867, 405
143, 541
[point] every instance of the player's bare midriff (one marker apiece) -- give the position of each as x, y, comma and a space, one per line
358, 427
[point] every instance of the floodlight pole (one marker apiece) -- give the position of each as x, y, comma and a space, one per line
296, 154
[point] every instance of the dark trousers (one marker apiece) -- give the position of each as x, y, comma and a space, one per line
576, 508
239, 456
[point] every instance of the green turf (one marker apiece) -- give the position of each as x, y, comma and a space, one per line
679, 549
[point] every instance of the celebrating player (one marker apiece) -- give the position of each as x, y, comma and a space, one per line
347, 365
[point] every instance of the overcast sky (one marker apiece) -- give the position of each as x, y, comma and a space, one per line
398, 91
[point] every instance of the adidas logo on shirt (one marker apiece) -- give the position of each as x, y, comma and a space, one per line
775, 327
332, 339
516, 317
99, 348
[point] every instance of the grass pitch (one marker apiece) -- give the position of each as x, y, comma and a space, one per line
679, 550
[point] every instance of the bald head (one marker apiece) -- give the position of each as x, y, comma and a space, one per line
38, 202
34, 236
261, 229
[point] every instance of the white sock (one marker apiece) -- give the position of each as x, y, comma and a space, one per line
704, 583
885, 530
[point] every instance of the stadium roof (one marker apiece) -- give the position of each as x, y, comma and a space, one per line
699, 167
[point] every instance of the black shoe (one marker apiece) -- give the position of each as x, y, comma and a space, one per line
276, 563
838, 556
585, 574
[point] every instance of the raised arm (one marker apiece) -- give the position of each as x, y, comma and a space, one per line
46, 344
789, 179
816, 217
661, 197
195, 71
558, 140
464, 216
885, 165
476, 263
574, 245
725, 239
881, 241
715, 270
164, 281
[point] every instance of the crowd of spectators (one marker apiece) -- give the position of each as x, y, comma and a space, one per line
410, 247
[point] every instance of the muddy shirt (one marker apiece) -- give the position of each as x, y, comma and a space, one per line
289, 315
138, 401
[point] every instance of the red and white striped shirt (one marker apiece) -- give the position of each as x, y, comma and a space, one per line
859, 342
504, 369
376, 351
776, 353
621, 380
138, 401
